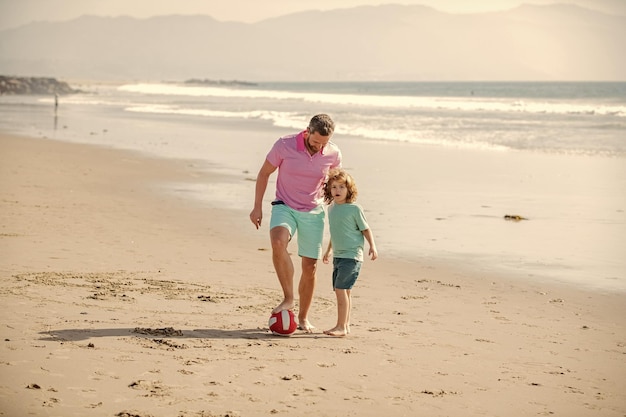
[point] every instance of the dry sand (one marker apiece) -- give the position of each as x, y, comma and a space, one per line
118, 300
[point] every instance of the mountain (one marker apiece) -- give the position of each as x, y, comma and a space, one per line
390, 42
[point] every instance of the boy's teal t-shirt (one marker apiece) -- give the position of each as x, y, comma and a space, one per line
346, 223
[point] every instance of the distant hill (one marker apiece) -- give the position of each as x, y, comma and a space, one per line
392, 42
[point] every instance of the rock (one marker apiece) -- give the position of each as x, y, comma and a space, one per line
34, 85
514, 217
229, 83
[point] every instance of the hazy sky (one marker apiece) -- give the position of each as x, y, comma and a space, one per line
18, 12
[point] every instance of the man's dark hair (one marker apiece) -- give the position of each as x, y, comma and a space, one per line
322, 124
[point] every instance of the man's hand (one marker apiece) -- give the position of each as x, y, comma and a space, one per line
256, 215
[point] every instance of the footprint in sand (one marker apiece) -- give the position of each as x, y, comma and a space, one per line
166, 331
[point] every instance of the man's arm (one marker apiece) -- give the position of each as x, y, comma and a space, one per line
262, 179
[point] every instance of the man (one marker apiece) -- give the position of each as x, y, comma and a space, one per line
303, 161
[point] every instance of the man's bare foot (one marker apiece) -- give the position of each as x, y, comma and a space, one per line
285, 305
306, 326
337, 332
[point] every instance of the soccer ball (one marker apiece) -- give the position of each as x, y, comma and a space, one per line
283, 323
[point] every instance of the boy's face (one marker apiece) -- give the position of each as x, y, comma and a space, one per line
339, 191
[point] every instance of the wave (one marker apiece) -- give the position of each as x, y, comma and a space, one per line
387, 101
293, 120
401, 132
466, 123
281, 119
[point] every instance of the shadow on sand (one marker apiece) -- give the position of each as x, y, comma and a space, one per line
73, 335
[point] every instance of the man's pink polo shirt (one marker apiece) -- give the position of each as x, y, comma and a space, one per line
301, 176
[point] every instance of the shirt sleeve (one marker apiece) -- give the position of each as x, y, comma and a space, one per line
360, 219
275, 155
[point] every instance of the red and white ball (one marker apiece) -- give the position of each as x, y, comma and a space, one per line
283, 323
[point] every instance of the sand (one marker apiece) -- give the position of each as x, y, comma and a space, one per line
121, 300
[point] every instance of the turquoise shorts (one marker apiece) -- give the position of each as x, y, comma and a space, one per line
309, 227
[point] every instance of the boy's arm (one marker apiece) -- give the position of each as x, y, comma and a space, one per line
373, 253
329, 252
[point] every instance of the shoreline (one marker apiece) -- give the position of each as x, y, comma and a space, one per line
99, 263
448, 204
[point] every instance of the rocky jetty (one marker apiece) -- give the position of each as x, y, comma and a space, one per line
219, 82
33, 85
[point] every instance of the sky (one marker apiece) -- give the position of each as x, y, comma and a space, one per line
14, 13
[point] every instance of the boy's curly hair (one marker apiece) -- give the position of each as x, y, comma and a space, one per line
340, 175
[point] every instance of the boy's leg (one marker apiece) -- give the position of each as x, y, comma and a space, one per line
342, 314
343, 305
349, 310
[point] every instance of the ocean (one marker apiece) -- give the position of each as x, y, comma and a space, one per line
441, 163
562, 117
586, 118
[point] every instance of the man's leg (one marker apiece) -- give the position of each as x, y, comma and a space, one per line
279, 237
306, 288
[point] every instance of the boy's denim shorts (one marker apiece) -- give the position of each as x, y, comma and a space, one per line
309, 227
345, 273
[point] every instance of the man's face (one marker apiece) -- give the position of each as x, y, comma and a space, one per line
315, 141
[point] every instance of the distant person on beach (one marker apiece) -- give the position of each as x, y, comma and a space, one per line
303, 161
56, 102
348, 232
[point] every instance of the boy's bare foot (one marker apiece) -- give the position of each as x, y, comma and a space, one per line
336, 332
306, 326
285, 305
